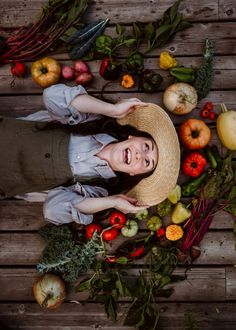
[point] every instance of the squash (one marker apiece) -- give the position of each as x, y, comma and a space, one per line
226, 127
194, 134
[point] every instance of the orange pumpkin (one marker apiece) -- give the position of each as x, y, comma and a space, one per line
194, 134
46, 72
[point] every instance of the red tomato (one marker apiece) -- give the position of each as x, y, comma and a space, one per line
118, 219
18, 69
110, 234
90, 229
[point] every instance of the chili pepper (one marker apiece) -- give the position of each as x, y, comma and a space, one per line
205, 113
137, 252
183, 74
211, 157
167, 61
208, 106
109, 71
194, 164
189, 188
212, 115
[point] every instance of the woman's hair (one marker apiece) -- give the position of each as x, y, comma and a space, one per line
106, 125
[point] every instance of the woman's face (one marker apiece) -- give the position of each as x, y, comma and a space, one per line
136, 155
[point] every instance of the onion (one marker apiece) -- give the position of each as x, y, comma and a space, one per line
68, 73
49, 291
180, 98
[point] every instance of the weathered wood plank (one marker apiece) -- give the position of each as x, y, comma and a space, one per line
24, 12
201, 285
227, 9
23, 105
210, 316
225, 71
22, 216
26, 248
231, 283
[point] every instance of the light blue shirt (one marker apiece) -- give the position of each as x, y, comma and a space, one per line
60, 203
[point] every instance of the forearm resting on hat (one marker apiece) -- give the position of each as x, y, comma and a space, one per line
120, 202
89, 104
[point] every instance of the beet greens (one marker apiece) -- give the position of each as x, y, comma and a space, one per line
29, 42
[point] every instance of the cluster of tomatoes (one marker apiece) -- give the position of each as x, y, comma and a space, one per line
207, 111
117, 220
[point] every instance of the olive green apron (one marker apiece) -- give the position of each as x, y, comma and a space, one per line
33, 158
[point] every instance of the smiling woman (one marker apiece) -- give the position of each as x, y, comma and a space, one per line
44, 156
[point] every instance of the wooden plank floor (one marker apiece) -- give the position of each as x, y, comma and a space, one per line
209, 291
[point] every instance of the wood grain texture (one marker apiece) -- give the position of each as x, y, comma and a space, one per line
71, 316
26, 248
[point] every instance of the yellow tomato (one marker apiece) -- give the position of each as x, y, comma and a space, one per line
46, 72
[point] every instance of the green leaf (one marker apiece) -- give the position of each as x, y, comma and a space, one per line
129, 42
137, 31
151, 318
83, 286
120, 288
122, 260
174, 10
120, 30
110, 307
135, 314
149, 31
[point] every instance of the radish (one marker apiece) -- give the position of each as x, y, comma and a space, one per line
81, 67
68, 73
84, 78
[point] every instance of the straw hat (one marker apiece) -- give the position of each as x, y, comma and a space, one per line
155, 121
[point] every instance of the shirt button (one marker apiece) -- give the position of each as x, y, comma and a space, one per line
47, 155
78, 157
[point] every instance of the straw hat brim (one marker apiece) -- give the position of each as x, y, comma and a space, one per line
155, 121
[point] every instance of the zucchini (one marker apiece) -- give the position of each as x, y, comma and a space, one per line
86, 32
81, 48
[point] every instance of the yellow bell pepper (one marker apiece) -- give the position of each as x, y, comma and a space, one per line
180, 213
175, 194
167, 61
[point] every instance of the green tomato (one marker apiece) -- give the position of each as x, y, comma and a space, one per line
141, 215
154, 223
130, 229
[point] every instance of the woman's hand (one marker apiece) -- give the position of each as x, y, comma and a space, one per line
124, 107
126, 204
